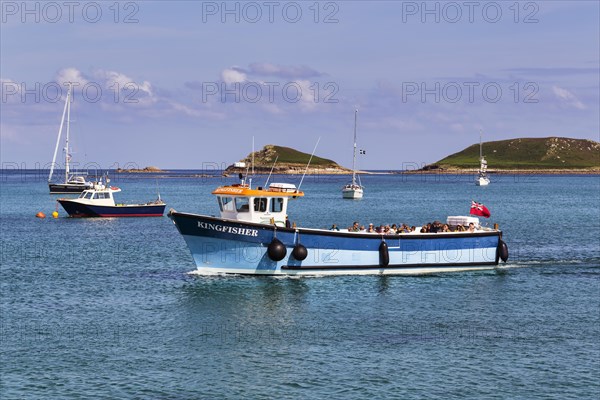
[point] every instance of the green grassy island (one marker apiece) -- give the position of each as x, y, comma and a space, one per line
289, 161
546, 155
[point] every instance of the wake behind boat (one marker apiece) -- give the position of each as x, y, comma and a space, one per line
99, 202
253, 236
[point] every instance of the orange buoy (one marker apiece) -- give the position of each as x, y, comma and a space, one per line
40, 215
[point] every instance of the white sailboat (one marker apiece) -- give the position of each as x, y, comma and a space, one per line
74, 182
482, 178
353, 190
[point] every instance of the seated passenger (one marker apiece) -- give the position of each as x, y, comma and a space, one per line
371, 228
445, 228
460, 228
471, 227
334, 228
354, 227
424, 229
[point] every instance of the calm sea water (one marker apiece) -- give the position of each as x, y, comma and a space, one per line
105, 308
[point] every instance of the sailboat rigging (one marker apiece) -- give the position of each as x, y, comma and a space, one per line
353, 190
482, 178
74, 182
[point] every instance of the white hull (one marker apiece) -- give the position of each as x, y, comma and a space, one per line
482, 181
352, 193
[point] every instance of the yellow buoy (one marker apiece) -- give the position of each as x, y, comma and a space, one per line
54, 214
40, 215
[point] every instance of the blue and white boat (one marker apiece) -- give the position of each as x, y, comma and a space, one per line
99, 202
253, 236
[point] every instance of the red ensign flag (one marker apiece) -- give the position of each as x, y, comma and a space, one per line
479, 209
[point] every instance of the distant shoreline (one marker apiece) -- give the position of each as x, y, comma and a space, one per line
213, 173
550, 171
224, 173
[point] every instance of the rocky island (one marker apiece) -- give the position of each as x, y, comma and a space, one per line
150, 169
289, 161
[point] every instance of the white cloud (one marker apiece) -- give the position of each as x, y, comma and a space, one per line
568, 97
10, 91
272, 109
308, 102
122, 81
283, 71
71, 75
456, 127
232, 75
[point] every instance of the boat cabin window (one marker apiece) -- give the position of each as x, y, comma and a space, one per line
260, 204
88, 195
276, 204
242, 204
226, 203
101, 195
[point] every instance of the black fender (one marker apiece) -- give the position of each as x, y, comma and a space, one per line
276, 250
384, 254
299, 252
503, 250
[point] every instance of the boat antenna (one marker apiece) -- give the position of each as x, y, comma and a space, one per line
62, 122
480, 145
309, 160
243, 178
157, 189
252, 176
269, 177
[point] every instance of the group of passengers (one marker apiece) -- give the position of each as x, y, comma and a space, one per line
431, 227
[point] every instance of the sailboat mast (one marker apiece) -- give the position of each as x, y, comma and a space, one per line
480, 147
67, 139
62, 122
354, 155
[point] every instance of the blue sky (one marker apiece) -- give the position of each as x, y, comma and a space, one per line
188, 84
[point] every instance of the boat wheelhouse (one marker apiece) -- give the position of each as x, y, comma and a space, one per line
260, 206
253, 236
